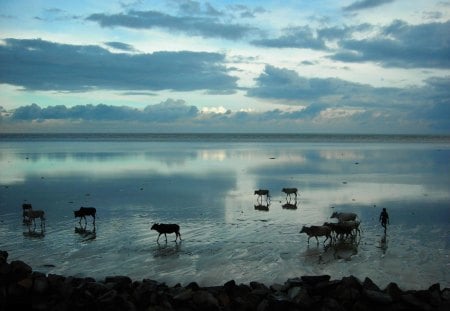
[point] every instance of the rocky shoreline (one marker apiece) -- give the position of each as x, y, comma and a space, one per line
21, 287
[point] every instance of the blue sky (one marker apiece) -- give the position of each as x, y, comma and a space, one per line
357, 66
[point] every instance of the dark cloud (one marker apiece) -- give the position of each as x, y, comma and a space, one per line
170, 110
193, 25
366, 4
189, 7
429, 104
167, 111
402, 45
121, 46
294, 37
279, 83
43, 65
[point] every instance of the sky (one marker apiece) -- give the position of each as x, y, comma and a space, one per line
356, 66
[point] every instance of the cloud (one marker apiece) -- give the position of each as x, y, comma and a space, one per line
43, 65
280, 83
331, 98
366, 4
207, 27
189, 7
401, 45
121, 46
294, 37
167, 111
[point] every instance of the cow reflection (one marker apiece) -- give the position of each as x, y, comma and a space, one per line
32, 233
345, 249
167, 250
341, 250
289, 205
87, 235
262, 207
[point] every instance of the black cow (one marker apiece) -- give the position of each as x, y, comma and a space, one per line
85, 211
167, 228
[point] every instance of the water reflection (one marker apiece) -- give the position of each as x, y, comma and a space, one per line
209, 189
32, 233
87, 235
262, 207
383, 243
167, 250
292, 205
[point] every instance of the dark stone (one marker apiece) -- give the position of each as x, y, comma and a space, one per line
205, 300
20, 270
370, 285
394, 291
377, 297
313, 280
3, 256
230, 285
40, 284
415, 302
120, 282
193, 286
303, 299
21, 288
294, 282
445, 294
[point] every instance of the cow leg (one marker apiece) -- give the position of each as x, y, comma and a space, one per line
317, 239
157, 240
165, 234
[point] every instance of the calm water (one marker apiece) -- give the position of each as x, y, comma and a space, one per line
205, 183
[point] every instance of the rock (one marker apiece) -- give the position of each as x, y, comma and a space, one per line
119, 281
3, 256
40, 284
370, 285
25, 289
303, 299
193, 286
184, 295
313, 280
293, 282
377, 297
205, 300
394, 291
20, 270
445, 294
415, 303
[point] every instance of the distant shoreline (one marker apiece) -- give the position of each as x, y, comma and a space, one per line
231, 137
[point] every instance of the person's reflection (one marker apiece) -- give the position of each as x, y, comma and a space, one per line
384, 243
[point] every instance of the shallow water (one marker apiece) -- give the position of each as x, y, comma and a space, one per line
207, 187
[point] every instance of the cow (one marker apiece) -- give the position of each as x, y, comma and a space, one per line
344, 216
167, 228
261, 193
315, 231
290, 191
33, 214
85, 211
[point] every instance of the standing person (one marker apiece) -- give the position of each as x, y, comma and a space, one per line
384, 218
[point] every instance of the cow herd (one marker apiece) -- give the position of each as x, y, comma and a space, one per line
30, 215
346, 226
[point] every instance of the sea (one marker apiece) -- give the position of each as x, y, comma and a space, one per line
206, 184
